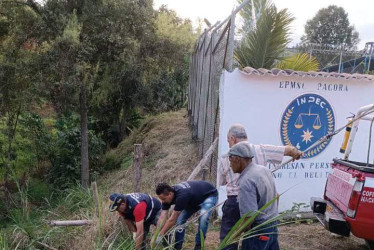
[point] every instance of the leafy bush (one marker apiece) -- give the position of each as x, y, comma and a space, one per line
65, 163
38, 190
34, 128
21, 151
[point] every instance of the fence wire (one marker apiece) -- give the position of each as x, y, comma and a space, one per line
213, 53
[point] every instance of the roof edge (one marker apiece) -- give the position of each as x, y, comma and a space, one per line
310, 74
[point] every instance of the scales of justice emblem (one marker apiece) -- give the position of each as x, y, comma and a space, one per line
305, 120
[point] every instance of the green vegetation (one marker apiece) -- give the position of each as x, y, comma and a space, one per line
265, 43
299, 62
37, 201
80, 83
331, 27
76, 78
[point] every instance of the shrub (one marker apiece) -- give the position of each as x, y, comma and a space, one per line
65, 168
38, 190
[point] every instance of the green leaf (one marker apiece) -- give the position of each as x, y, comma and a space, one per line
299, 62
263, 46
243, 223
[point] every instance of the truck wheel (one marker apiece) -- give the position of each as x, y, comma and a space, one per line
370, 244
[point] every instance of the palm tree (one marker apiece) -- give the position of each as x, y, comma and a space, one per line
262, 47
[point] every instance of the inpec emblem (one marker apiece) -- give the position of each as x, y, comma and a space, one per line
305, 120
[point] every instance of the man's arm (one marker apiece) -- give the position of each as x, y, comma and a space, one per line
162, 217
139, 234
161, 220
274, 154
247, 203
170, 222
130, 225
221, 172
239, 233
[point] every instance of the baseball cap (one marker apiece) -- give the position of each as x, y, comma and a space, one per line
116, 200
241, 149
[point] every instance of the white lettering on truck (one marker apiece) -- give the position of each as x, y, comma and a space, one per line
368, 192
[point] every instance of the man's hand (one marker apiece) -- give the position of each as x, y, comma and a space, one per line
293, 152
134, 236
296, 154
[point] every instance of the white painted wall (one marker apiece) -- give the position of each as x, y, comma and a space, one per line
259, 103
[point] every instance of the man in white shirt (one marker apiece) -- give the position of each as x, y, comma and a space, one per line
263, 154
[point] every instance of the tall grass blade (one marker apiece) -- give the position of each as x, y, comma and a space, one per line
243, 224
202, 240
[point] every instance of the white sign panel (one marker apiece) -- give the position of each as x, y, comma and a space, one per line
281, 110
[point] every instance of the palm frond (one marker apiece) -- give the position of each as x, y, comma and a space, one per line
262, 47
243, 223
246, 13
299, 62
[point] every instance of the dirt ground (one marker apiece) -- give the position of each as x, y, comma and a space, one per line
303, 237
314, 236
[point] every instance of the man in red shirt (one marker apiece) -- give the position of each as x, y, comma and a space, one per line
138, 211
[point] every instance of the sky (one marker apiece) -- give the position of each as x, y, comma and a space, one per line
360, 13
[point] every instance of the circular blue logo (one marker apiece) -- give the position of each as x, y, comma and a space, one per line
305, 120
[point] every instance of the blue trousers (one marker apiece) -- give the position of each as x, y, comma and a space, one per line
231, 214
265, 239
205, 212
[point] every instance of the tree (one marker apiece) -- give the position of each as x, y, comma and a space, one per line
106, 59
331, 27
263, 46
18, 63
169, 72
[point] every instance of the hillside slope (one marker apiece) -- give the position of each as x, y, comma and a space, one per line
170, 155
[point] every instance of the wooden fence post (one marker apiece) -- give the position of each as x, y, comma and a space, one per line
138, 155
95, 197
65, 223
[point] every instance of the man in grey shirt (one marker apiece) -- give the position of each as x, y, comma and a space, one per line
256, 188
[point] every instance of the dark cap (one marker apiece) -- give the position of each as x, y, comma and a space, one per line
116, 200
241, 149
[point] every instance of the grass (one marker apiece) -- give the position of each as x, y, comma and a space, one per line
4, 245
169, 155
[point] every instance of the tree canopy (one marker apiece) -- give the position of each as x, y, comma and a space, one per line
105, 61
331, 27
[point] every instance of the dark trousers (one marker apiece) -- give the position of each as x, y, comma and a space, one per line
264, 239
231, 214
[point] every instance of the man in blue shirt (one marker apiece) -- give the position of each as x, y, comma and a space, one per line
188, 198
138, 211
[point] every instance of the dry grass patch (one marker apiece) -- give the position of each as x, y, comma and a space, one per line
170, 155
